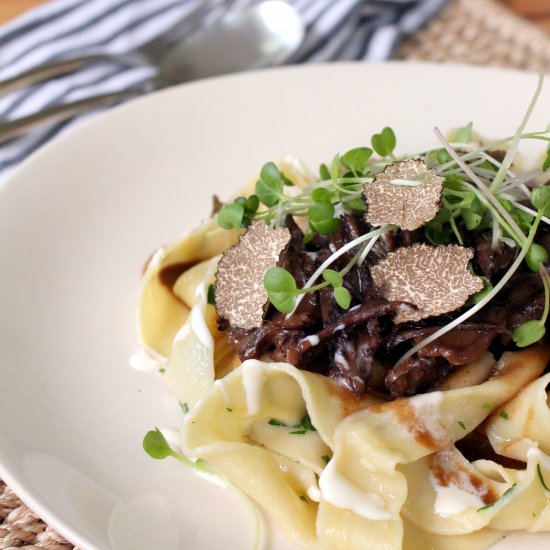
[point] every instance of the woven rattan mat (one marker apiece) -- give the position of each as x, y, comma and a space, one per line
482, 32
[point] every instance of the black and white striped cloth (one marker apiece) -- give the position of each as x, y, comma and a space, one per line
60, 29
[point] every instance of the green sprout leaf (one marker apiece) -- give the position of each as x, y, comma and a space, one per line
210, 296
324, 172
540, 199
464, 135
356, 159
384, 142
321, 194
528, 333
281, 289
342, 297
333, 277
231, 216
357, 206
156, 446
269, 188
321, 218
270, 174
478, 296
536, 255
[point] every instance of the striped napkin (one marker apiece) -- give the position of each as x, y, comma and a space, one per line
61, 29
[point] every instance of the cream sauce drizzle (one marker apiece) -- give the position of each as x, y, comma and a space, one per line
452, 500
183, 332
313, 493
342, 493
143, 362
252, 378
200, 328
313, 340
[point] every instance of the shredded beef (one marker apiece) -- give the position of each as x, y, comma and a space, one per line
360, 346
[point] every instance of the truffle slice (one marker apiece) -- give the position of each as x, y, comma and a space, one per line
434, 279
241, 298
406, 194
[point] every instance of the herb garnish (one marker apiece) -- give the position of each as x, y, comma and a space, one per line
301, 428
491, 504
184, 407
461, 424
479, 194
505, 415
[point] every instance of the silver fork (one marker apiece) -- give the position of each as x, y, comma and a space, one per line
212, 39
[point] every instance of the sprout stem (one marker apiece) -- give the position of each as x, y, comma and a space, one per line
507, 162
333, 257
519, 236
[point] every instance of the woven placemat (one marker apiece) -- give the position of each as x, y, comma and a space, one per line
481, 32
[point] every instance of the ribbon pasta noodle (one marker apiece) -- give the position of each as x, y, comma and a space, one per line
356, 470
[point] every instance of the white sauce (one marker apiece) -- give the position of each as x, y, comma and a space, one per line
200, 328
313, 493
340, 492
313, 340
183, 332
143, 362
156, 258
200, 292
452, 500
339, 327
341, 361
252, 378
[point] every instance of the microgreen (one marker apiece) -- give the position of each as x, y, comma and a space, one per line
533, 330
464, 134
384, 142
156, 446
301, 428
321, 218
238, 214
210, 296
356, 159
281, 289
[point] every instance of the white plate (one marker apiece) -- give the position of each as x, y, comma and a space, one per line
77, 222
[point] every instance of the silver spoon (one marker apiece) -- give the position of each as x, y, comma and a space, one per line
254, 37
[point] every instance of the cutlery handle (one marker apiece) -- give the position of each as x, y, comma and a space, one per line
14, 128
44, 72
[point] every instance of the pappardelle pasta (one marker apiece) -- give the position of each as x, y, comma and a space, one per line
363, 352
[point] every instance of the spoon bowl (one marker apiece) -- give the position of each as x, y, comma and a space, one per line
256, 36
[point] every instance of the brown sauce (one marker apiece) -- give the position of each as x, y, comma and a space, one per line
169, 274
